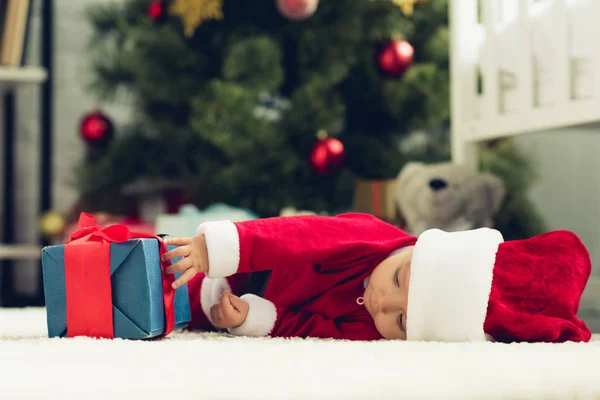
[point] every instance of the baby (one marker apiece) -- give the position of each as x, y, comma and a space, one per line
348, 277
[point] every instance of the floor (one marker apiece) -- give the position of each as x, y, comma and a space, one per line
218, 366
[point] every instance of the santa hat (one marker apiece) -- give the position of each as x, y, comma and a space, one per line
470, 285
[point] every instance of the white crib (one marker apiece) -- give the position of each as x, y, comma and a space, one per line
538, 62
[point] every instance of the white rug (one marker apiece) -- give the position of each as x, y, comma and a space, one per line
211, 366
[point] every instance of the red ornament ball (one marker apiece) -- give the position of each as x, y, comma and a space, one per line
96, 129
156, 9
395, 57
297, 10
327, 156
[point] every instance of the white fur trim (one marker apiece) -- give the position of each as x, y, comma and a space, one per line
260, 320
210, 294
223, 243
450, 284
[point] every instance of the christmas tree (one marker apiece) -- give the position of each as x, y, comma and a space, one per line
269, 104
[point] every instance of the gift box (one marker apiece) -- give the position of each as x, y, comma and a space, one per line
110, 283
184, 223
377, 197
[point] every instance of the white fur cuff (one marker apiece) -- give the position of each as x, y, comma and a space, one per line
210, 294
260, 320
450, 283
223, 243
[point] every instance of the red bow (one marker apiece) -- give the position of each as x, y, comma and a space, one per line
87, 275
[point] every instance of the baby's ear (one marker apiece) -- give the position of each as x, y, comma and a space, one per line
408, 172
495, 189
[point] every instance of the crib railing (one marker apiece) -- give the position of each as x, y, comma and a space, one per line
541, 90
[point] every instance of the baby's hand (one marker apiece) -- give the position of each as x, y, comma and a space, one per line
195, 258
229, 312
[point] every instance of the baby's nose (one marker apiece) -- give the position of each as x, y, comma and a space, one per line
437, 184
389, 304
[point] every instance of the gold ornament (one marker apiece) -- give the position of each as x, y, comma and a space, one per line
407, 6
193, 12
52, 224
322, 134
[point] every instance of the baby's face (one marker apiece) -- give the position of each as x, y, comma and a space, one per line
386, 295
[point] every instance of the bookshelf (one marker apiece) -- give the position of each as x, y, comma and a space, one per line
16, 73
16, 252
12, 77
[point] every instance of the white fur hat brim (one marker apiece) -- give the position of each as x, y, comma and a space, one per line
450, 284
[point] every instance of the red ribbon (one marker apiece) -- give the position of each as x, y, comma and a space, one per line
87, 275
376, 198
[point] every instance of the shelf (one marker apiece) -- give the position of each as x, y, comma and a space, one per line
21, 75
11, 77
18, 251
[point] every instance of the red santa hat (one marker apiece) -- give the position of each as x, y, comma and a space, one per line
472, 285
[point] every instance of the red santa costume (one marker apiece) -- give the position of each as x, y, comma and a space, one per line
319, 266
462, 286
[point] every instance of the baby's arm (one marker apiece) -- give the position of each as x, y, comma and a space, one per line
267, 319
285, 242
224, 248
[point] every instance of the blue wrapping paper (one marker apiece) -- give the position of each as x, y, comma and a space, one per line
137, 295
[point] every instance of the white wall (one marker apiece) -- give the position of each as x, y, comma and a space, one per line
568, 195
72, 100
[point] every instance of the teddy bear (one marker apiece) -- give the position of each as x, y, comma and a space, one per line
447, 196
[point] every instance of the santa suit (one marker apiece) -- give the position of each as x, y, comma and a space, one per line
464, 286
319, 266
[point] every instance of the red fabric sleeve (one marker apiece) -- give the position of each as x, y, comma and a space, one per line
269, 243
266, 319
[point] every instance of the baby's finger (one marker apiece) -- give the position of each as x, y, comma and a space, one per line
223, 298
177, 241
236, 303
184, 278
179, 266
226, 305
177, 252
214, 314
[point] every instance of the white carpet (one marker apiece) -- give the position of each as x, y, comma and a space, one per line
211, 366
